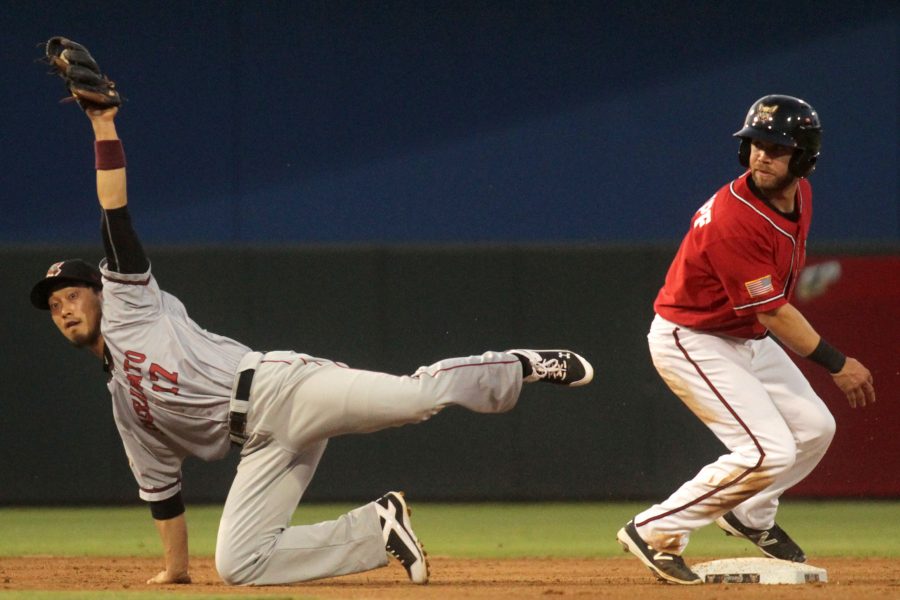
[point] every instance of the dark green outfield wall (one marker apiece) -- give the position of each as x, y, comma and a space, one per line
385, 309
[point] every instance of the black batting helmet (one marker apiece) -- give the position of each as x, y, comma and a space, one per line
787, 121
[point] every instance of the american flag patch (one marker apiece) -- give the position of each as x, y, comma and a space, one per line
760, 287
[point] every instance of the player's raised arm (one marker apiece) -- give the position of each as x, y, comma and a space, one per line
793, 330
96, 94
109, 159
124, 253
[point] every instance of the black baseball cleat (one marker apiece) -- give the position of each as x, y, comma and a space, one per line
399, 539
668, 567
774, 542
562, 367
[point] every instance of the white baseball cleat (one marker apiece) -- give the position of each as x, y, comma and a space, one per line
399, 539
562, 367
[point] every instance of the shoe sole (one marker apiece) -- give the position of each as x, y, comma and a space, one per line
406, 514
628, 545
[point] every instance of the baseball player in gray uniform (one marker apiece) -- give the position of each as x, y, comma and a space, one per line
178, 390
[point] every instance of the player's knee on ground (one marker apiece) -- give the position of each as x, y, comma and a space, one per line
234, 569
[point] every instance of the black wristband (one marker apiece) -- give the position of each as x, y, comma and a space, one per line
163, 510
828, 356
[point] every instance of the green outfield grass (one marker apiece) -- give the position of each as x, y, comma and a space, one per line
461, 530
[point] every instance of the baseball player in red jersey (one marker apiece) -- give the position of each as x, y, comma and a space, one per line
726, 295
178, 390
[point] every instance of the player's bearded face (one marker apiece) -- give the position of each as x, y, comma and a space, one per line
76, 312
769, 166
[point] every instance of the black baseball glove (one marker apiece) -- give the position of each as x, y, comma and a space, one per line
87, 85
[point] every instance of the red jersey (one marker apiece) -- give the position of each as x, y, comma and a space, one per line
740, 257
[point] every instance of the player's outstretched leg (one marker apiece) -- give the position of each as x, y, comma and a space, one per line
774, 542
399, 539
562, 367
668, 567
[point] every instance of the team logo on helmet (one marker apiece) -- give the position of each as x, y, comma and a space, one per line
54, 270
765, 114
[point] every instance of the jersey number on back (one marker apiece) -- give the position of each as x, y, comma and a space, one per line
156, 372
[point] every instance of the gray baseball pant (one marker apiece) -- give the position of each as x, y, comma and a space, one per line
297, 402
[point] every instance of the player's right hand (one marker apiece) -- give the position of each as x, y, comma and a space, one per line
856, 382
164, 577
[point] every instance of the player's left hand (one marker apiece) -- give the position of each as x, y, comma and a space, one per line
164, 577
856, 382
102, 114
86, 83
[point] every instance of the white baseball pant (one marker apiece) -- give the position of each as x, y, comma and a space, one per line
758, 403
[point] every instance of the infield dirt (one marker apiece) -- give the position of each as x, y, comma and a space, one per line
455, 578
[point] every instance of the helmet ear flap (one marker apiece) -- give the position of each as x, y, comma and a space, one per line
744, 152
802, 163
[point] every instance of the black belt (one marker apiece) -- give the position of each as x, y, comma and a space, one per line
237, 420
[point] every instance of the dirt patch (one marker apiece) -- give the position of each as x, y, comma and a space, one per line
454, 578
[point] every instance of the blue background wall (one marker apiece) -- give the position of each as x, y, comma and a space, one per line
358, 139
442, 121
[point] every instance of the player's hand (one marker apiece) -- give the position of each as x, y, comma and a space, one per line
164, 577
102, 114
856, 382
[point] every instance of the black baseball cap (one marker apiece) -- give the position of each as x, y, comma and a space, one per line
69, 271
